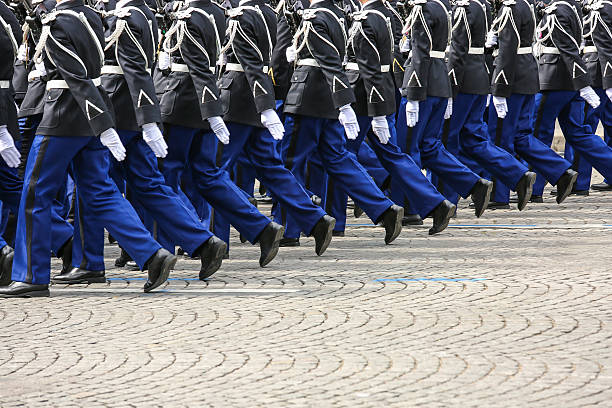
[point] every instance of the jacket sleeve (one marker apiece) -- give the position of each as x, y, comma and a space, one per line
73, 71
203, 78
416, 76
459, 47
6, 49
136, 70
505, 62
603, 42
258, 79
366, 53
328, 58
568, 50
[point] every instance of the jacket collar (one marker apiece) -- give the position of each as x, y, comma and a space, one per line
69, 4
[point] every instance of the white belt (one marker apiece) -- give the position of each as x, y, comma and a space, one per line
353, 66
179, 68
437, 54
230, 66
5, 84
476, 50
524, 51
590, 49
550, 50
61, 84
111, 69
308, 62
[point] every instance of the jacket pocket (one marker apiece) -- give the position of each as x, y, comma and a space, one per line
549, 58
225, 84
52, 111
298, 86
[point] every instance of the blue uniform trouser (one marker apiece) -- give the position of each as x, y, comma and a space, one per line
263, 153
468, 128
198, 147
368, 159
402, 168
46, 169
515, 134
326, 137
568, 107
424, 144
602, 113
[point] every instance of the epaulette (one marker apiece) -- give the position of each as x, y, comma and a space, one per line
234, 12
550, 9
121, 13
49, 17
309, 14
359, 16
462, 3
509, 2
416, 2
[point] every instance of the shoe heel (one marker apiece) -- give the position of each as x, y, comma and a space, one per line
39, 293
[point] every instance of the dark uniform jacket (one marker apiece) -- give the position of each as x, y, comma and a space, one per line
399, 59
73, 53
560, 35
319, 85
132, 49
246, 86
603, 41
10, 39
516, 70
191, 94
429, 29
371, 46
589, 51
467, 68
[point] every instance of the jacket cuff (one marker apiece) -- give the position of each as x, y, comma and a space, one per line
606, 82
416, 93
148, 114
101, 122
377, 109
343, 97
581, 81
264, 102
501, 90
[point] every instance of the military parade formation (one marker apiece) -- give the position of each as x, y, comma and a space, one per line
152, 121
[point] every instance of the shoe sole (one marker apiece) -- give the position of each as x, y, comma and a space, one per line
570, 186
328, 238
397, 228
274, 251
442, 227
485, 203
79, 281
37, 293
528, 192
167, 266
217, 260
289, 244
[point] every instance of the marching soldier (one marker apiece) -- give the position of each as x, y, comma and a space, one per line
76, 129
427, 102
565, 86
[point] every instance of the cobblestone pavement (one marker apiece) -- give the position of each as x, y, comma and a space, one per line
510, 310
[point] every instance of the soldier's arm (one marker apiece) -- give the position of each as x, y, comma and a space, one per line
603, 41
459, 45
417, 76
505, 62
568, 48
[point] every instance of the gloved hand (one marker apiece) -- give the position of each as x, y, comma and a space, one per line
34, 75
111, 140
218, 126
488, 100
412, 113
501, 106
40, 67
270, 119
164, 61
589, 95
380, 127
154, 138
449, 109
404, 45
8, 151
291, 53
491, 40
348, 119
22, 53
609, 93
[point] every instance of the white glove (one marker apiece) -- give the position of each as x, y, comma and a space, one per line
449, 109
412, 113
589, 95
291, 53
348, 119
609, 93
501, 106
218, 126
40, 67
488, 100
34, 75
22, 53
380, 127
491, 40
111, 140
163, 61
270, 119
154, 138
8, 151
404, 45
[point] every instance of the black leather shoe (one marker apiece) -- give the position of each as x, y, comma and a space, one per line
111, 239
357, 211
392, 221
337, 233
6, 265
316, 200
566, 184
269, 241
602, 187
481, 194
323, 232
225, 256
159, 266
78, 275
441, 216
412, 219
125, 260
496, 205
24, 290
524, 188
211, 256
583, 193
536, 199
289, 242
66, 254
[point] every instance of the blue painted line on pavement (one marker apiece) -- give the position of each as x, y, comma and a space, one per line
430, 279
144, 279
